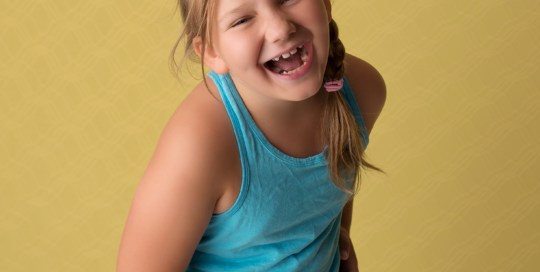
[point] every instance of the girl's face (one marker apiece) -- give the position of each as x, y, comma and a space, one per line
248, 34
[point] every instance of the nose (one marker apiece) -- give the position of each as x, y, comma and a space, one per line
279, 28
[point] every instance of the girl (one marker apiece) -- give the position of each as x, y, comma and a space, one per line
257, 168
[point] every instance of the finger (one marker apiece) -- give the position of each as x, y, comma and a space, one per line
343, 255
344, 246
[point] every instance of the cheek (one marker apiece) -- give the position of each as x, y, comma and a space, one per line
241, 51
314, 17
313, 13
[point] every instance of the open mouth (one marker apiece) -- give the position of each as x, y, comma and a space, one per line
289, 63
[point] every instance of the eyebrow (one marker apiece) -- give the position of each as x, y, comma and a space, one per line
233, 11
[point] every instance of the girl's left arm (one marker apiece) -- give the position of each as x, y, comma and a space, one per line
346, 216
369, 90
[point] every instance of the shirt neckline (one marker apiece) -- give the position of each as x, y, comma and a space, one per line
312, 160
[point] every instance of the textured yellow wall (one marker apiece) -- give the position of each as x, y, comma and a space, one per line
85, 92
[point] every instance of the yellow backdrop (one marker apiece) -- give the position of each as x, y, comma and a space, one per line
85, 92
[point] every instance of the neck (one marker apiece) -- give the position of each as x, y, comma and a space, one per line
286, 123
276, 113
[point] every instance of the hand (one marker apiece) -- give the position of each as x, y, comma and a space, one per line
346, 252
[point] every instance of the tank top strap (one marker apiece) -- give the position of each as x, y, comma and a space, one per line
244, 138
241, 120
235, 109
355, 109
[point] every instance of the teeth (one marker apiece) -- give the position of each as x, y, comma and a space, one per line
277, 70
287, 55
304, 56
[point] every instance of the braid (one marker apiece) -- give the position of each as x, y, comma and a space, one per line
339, 128
334, 67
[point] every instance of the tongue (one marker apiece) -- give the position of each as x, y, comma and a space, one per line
287, 64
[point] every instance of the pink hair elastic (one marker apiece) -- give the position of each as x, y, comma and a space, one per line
333, 86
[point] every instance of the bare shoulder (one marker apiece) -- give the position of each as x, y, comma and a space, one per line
201, 124
368, 87
201, 132
178, 192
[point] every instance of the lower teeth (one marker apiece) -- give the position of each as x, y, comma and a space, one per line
279, 71
303, 55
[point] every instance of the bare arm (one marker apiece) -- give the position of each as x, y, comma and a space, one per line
175, 199
346, 216
369, 90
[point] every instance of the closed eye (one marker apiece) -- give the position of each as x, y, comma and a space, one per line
240, 22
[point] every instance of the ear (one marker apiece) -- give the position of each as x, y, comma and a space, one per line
211, 57
328, 9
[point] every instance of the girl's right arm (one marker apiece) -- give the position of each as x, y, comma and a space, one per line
176, 196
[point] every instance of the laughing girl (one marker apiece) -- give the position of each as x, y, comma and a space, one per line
258, 167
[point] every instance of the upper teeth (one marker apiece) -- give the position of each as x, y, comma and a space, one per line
286, 55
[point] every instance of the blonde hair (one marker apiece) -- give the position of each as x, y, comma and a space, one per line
338, 125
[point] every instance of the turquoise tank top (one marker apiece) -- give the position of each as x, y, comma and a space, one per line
287, 216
